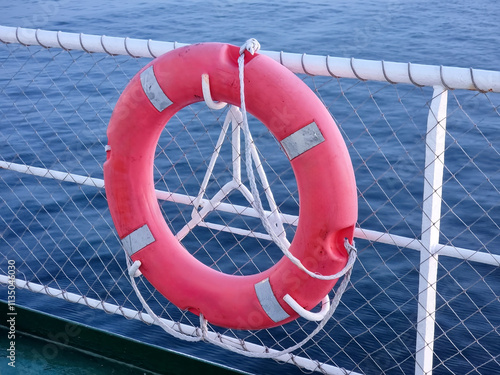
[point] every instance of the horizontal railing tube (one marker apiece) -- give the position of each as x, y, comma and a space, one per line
385, 71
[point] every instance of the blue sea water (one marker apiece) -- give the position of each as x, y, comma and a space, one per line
457, 33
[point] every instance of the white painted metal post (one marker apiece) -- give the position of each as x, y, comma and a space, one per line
431, 215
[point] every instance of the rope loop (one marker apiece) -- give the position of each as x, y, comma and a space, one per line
58, 41
303, 66
104, 47
442, 79
351, 62
327, 62
133, 270
126, 48
149, 50
19, 40
251, 45
38, 40
207, 96
81, 43
411, 78
385, 74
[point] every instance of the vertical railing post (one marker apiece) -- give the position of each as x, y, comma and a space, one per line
431, 215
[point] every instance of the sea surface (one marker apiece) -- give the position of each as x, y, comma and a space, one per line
455, 33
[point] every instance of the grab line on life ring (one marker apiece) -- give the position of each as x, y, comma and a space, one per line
294, 145
324, 175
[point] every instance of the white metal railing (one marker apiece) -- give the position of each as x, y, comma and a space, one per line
431, 216
442, 79
361, 233
385, 71
111, 308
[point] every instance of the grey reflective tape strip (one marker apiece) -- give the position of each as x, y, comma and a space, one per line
137, 240
153, 90
269, 302
302, 140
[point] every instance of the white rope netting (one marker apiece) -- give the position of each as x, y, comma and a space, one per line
54, 222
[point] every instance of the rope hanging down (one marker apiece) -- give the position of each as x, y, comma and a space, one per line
252, 46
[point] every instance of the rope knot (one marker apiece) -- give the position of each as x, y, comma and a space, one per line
251, 45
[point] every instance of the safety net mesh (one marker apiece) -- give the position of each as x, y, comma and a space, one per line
54, 110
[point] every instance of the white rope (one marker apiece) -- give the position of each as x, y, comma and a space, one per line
252, 46
274, 354
207, 96
202, 333
155, 317
306, 314
133, 270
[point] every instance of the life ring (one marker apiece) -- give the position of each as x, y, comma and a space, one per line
318, 155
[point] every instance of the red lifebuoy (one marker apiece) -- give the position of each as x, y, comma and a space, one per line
318, 155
